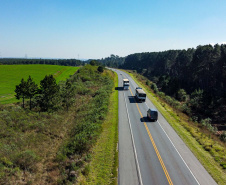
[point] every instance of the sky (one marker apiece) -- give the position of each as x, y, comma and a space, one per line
94, 29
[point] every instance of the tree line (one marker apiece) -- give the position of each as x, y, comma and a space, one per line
112, 61
63, 62
195, 76
48, 96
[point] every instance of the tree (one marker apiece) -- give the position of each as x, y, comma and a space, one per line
48, 93
21, 90
197, 100
32, 88
100, 69
182, 95
93, 62
154, 87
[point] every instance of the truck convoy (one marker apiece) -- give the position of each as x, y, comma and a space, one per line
140, 94
126, 84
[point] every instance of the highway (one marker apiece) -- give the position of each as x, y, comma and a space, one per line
151, 152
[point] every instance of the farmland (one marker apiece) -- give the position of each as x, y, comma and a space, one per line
11, 75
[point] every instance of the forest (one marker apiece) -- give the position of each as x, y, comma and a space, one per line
196, 77
63, 62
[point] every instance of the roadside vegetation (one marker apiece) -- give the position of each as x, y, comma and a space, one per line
200, 137
104, 163
54, 145
11, 75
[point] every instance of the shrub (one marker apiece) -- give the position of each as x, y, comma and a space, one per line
196, 99
218, 148
82, 90
223, 164
217, 158
194, 118
5, 162
185, 109
61, 155
86, 170
182, 95
26, 160
154, 87
207, 147
93, 62
100, 69
88, 157
176, 104
223, 136
169, 100
79, 144
197, 135
161, 94
205, 122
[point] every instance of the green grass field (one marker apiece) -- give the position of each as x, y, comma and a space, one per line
11, 75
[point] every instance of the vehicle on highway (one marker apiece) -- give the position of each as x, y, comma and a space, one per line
152, 114
126, 84
140, 94
138, 88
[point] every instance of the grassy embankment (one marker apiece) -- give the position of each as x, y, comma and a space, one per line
11, 75
104, 163
209, 150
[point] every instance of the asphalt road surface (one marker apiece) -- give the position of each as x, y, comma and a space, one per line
151, 152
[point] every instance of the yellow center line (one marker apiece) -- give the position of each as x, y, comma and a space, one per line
155, 147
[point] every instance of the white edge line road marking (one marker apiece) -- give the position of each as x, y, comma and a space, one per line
135, 152
179, 154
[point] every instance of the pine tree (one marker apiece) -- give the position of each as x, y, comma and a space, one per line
32, 88
48, 93
21, 90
